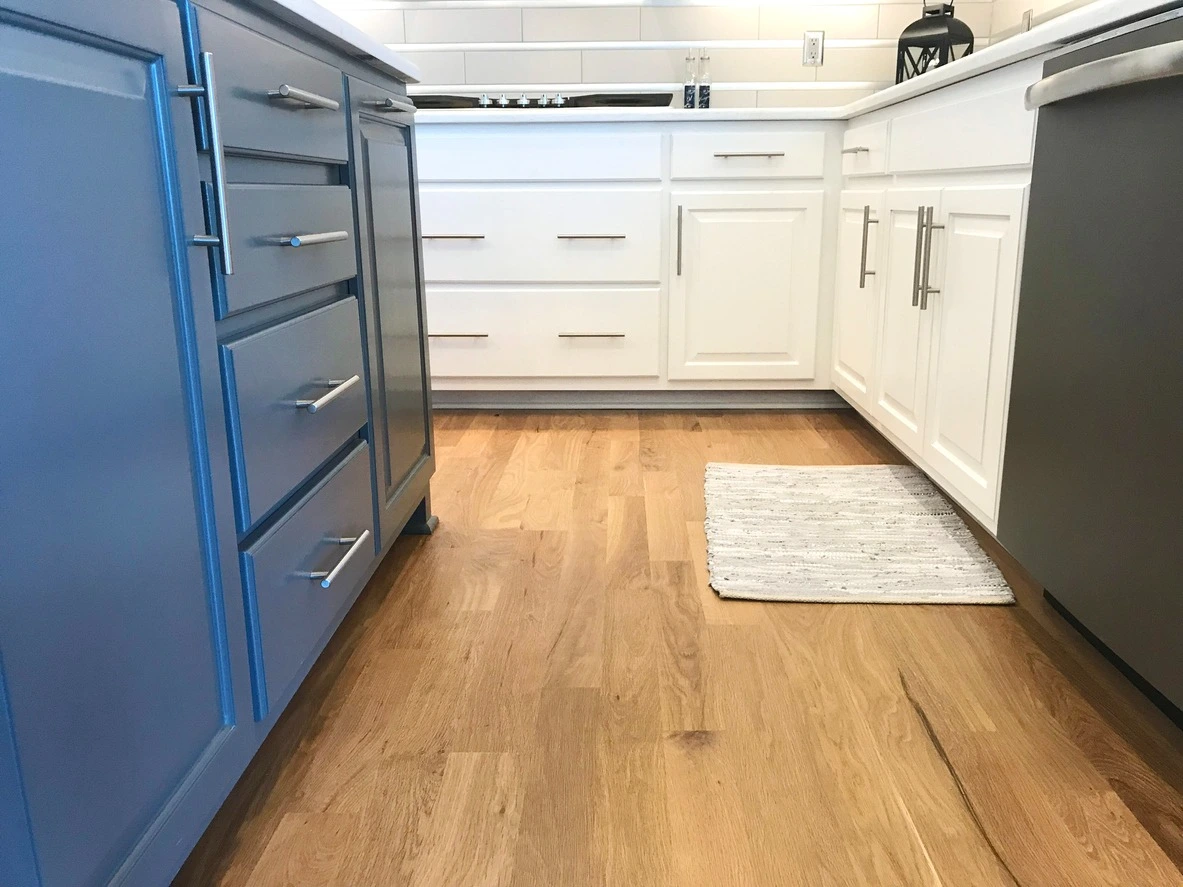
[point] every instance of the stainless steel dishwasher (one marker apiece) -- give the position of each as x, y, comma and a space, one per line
1092, 490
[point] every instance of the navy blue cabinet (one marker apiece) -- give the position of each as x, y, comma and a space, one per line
121, 624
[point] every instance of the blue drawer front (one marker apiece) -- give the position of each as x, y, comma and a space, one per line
288, 611
263, 221
278, 444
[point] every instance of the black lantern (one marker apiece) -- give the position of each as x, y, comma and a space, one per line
935, 39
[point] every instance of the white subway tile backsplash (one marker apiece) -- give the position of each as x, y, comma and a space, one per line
839, 22
858, 63
700, 22
759, 65
438, 67
523, 66
634, 65
384, 25
494, 25
809, 98
730, 98
566, 24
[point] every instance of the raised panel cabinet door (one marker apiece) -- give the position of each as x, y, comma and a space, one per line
394, 312
121, 621
904, 328
744, 272
972, 322
856, 293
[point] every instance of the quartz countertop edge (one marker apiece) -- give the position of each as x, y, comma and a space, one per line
310, 16
1064, 30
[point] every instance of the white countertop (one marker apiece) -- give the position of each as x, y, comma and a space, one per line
1099, 16
313, 18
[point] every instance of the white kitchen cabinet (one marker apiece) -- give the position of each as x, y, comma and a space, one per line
904, 332
975, 267
857, 286
744, 284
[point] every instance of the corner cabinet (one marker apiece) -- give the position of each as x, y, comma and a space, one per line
124, 677
391, 281
745, 284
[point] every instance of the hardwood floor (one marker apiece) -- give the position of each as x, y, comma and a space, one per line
548, 693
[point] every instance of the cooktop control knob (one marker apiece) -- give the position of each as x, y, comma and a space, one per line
484, 101
559, 101
523, 102
503, 102
543, 100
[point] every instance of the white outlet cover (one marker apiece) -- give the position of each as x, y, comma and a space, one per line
813, 52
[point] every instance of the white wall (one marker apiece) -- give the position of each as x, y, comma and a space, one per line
475, 46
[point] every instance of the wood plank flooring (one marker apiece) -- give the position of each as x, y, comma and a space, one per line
548, 693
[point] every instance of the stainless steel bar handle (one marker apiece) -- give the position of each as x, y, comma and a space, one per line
925, 289
679, 240
863, 273
326, 577
297, 240
309, 99
457, 335
860, 149
388, 105
1137, 66
338, 388
591, 335
218, 163
453, 236
726, 154
919, 256
591, 236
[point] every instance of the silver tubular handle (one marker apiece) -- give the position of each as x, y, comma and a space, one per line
919, 256
591, 236
338, 388
1136, 66
860, 149
591, 335
386, 106
724, 155
679, 240
863, 273
453, 236
303, 96
218, 163
925, 289
326, 577
297, 240
457, 335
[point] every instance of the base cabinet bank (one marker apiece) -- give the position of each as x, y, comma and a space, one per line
218, 419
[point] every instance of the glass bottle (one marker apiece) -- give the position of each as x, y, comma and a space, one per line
704, 81
689, 91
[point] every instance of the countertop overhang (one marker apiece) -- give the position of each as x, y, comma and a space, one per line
1065, 30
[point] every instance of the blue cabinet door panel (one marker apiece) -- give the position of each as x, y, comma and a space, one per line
118, 631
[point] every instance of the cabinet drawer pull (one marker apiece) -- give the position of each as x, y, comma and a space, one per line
724, 155
304, 97
386, 106
925, 289
457, 335
297, 240
863, 273
338, 387
591, 335
453, 236
326, 577
208, 90
919, 256
679, 240
858, 149
591, 236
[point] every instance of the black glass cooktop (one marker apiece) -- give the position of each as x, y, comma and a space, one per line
593, 100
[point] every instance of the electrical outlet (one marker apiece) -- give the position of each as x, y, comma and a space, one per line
815, 47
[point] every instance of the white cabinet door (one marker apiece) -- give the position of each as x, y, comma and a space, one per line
744, 284
904, 330
856, 293
972, 318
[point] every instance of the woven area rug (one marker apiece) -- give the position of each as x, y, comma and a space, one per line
860, 533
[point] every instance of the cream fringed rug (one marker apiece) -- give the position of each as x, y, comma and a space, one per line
859, 533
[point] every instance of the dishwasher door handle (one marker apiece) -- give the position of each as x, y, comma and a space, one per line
1137, 66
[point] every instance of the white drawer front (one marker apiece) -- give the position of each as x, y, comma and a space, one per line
986, 131
609, 235
864, 149
747, 155
466, 156
507, 332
